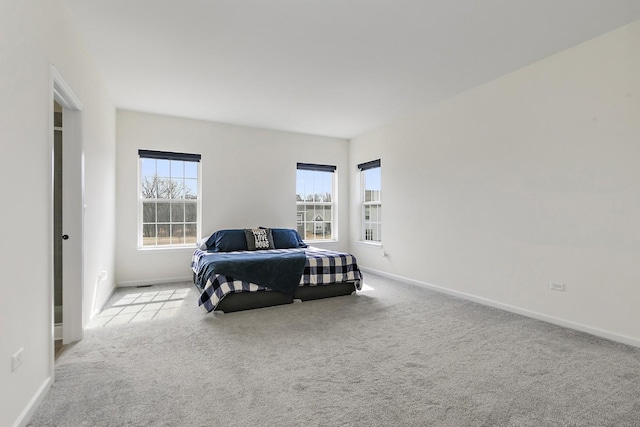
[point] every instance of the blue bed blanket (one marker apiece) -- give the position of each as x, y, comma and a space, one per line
280, 271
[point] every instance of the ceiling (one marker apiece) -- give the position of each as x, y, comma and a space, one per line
326, 67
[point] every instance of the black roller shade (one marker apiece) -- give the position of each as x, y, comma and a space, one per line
314, 167
168, 155
369, 165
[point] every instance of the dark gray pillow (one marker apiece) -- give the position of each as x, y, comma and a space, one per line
259, 239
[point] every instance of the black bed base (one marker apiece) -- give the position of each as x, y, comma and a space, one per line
249, 300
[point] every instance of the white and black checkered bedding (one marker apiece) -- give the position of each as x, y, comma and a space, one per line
322, 267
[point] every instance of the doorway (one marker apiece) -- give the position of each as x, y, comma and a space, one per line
57, 224
67, 214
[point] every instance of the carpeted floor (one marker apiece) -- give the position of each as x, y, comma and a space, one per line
393, 355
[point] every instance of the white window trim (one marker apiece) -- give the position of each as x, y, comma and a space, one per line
363, 204
334, 211
366, 222
175, 247
369, 243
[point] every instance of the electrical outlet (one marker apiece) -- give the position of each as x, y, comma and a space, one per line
16, 360
556, 286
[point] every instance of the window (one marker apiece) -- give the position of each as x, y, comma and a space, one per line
371, 185
169, 199
315, 191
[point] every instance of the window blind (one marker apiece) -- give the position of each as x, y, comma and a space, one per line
369, 165
168, 155
314, 167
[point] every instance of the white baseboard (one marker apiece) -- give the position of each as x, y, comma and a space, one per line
513, 309
98, 309
146, 282
25, 416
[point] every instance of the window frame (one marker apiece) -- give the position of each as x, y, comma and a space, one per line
333, 204
171, 156
364, 167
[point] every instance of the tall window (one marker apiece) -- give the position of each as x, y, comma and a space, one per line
315, 190
169, 198
371, 184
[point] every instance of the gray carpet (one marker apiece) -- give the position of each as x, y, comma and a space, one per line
396, 355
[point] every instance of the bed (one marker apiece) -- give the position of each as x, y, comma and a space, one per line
241, 269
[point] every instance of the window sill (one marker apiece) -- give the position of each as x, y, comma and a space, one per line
371, 244
314, 242
152, 249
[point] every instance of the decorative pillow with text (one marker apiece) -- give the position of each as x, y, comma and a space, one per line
259, 239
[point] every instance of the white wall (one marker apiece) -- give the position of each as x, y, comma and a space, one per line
528, 179
36, 34
248, 180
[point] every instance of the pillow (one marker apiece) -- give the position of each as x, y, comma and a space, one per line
202, 244
227, 241
285, 238
259, 239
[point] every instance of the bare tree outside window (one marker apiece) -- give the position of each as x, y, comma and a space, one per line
164, 188
169, 201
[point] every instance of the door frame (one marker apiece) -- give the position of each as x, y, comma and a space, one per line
73, 211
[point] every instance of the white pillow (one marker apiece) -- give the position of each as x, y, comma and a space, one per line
202, 243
